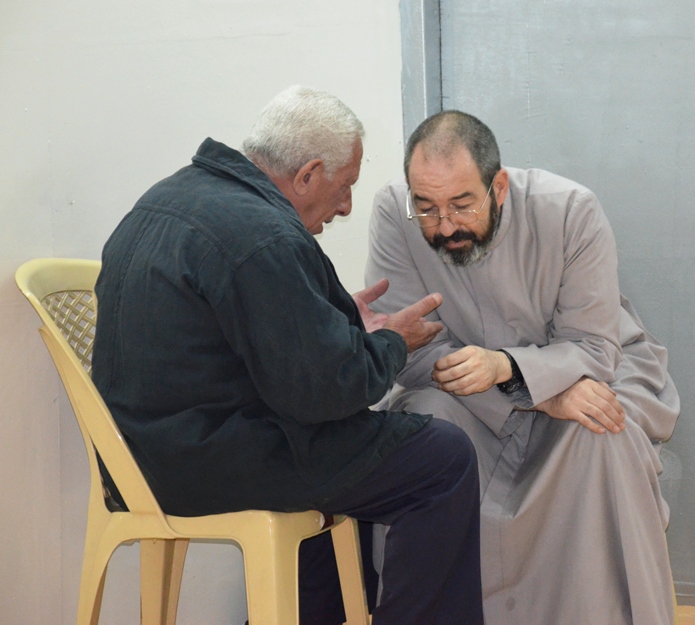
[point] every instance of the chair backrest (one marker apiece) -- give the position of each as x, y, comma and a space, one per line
61, 290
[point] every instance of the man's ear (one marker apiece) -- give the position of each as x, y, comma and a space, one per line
307, 177
500, 186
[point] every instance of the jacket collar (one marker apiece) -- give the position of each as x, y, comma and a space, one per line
226, 162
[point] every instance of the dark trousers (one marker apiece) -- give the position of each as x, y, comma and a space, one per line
428, 492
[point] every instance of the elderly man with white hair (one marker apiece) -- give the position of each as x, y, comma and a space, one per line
241, 372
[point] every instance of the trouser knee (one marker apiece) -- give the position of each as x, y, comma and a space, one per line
454, 453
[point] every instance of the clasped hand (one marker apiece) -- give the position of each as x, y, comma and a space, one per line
592, 404
410, 322
471, 369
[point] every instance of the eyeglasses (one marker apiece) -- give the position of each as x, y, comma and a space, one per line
430, 217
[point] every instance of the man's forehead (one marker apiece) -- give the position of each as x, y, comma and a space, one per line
440, 150
442, 168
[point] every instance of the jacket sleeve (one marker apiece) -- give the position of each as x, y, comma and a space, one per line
285, 313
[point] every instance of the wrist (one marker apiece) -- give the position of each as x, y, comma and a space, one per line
516, 380
504, 367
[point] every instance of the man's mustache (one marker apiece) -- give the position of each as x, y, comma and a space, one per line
439, 240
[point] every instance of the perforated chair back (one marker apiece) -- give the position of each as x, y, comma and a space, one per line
75, 315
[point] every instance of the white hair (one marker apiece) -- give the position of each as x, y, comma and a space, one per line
301, 124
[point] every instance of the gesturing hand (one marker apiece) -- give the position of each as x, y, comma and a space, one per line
411, 324
471, 370
372, 320
592, 404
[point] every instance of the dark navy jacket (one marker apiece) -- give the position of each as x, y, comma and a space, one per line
231, 357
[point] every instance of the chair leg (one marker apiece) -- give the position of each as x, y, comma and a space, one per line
346, 543
91, 593
272, 587
177, 562
161, 569
94, 565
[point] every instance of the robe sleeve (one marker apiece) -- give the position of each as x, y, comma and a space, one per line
584, 332
301, 338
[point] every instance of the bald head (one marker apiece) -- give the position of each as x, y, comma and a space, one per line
442, 135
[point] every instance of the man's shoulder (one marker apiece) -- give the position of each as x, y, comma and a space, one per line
200, 193
223, 208
392, 191
397, 182
389, 200
553, 209
540, 194
538, 181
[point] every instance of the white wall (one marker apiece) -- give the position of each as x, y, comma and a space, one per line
100, 100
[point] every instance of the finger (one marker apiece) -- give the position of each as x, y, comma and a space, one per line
455, 371
459, 386
423, 307
374, 321
614, 408
458, 357
607, 393
608, 388
609, 421
599, 401
460, 383
589, 424
606, 400
613, 418
610, 396
432, 328
425, 334
464, 387
373, 292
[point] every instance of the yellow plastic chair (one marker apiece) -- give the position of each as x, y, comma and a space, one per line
62, 292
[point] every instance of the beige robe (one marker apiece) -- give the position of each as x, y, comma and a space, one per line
572, 524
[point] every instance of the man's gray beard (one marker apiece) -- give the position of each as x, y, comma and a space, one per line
478, 249
464, 257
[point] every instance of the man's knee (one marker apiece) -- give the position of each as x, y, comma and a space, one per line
451, 450
613, 452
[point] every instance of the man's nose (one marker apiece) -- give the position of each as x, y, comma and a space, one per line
446, 226
346, 205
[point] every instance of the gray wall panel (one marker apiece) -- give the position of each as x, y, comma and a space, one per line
422, 88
